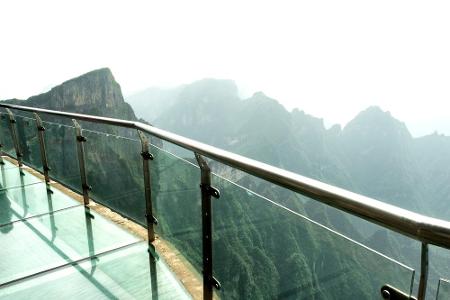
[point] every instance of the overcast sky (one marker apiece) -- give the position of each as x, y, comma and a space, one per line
329, 58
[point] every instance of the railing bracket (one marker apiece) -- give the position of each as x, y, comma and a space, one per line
216, 283
212, 191
81, 138
391, 293
147, 155
151, 219
87, 187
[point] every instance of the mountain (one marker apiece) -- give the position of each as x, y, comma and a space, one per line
149, 104
379, 156
96, 93
374, 154
432, 156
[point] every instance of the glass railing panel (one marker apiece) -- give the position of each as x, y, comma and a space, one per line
52, 240
122, 274
5, 135
28, 140
438, 269
443, 290
114, 171
177, 203
261, 250
61, 148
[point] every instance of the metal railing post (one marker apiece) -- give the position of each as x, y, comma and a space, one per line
423, 272
1, 144
207, 191
81, 162
13, 130
40, 130
149, 217
146, 156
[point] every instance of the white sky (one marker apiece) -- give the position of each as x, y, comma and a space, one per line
329, 58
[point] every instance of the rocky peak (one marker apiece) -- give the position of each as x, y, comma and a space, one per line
376, 123
96, 93
210, 91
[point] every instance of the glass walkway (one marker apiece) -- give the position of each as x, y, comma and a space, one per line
53, 247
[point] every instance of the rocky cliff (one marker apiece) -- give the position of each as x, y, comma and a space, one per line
96, 93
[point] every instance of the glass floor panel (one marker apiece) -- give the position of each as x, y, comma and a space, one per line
55, 239
11, 177
122, 274
28, 201
8, 165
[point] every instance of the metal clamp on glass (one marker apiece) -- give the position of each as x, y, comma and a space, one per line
87, 187
151, 219
212, 191
147, 155
81, 139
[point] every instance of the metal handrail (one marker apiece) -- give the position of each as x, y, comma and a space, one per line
425, 229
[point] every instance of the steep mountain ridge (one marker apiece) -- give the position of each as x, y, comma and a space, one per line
95, 92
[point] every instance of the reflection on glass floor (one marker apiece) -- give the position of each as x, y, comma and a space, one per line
52, 247
122, 274
12, 176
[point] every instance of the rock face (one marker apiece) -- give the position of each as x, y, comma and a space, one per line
95, 93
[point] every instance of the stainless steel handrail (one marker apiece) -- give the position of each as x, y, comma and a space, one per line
422, 228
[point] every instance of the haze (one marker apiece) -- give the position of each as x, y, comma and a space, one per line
329, 58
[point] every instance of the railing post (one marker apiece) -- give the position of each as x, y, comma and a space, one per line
13, 130
207, 191
40, 130
146, 156
1, 144
80, 148
149, 217
423, 272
